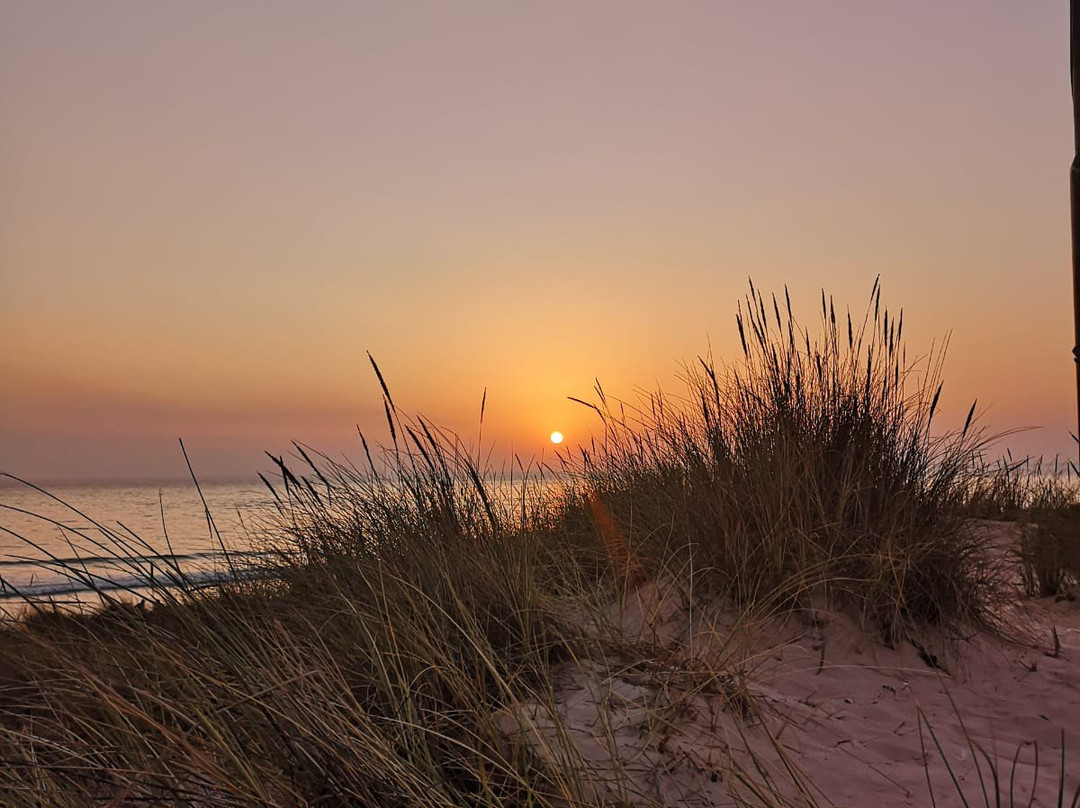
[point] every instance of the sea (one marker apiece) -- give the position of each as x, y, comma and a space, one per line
68, 543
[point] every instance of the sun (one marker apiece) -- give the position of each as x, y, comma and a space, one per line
556, 438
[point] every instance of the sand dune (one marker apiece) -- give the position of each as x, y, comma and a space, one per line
819, 711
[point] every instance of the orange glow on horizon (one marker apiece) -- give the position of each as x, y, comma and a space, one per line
485, 204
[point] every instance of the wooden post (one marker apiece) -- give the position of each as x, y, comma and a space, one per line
1074, 189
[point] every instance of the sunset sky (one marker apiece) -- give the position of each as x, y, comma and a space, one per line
209, 211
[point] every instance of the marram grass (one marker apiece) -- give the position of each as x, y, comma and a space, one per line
416, 600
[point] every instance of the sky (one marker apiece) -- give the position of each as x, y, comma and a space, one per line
210, 212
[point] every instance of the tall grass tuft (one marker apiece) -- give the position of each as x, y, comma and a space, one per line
417, 601
1045, 500
809, 468
403, 615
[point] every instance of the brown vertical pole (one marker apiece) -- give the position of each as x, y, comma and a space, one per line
1074, 189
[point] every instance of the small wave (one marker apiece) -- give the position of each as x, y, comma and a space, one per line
79, 581
128, 560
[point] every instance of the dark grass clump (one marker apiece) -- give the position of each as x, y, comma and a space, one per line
1045, 500
808, 468
403, 616
1012, 489
1050, 551
415, 608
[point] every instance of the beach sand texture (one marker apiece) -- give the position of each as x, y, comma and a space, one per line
824, 713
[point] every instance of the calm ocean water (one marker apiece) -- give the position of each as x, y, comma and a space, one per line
95, 523
67, 542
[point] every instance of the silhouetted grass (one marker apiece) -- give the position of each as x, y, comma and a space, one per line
809, 468
1046, 502
417, 600
368, 671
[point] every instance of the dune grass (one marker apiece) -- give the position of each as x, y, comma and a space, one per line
808, 468
994, 786
1045, 500
421, 607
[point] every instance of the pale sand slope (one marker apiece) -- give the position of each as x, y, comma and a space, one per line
841, 709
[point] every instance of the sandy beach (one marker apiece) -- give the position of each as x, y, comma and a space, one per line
823, 712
